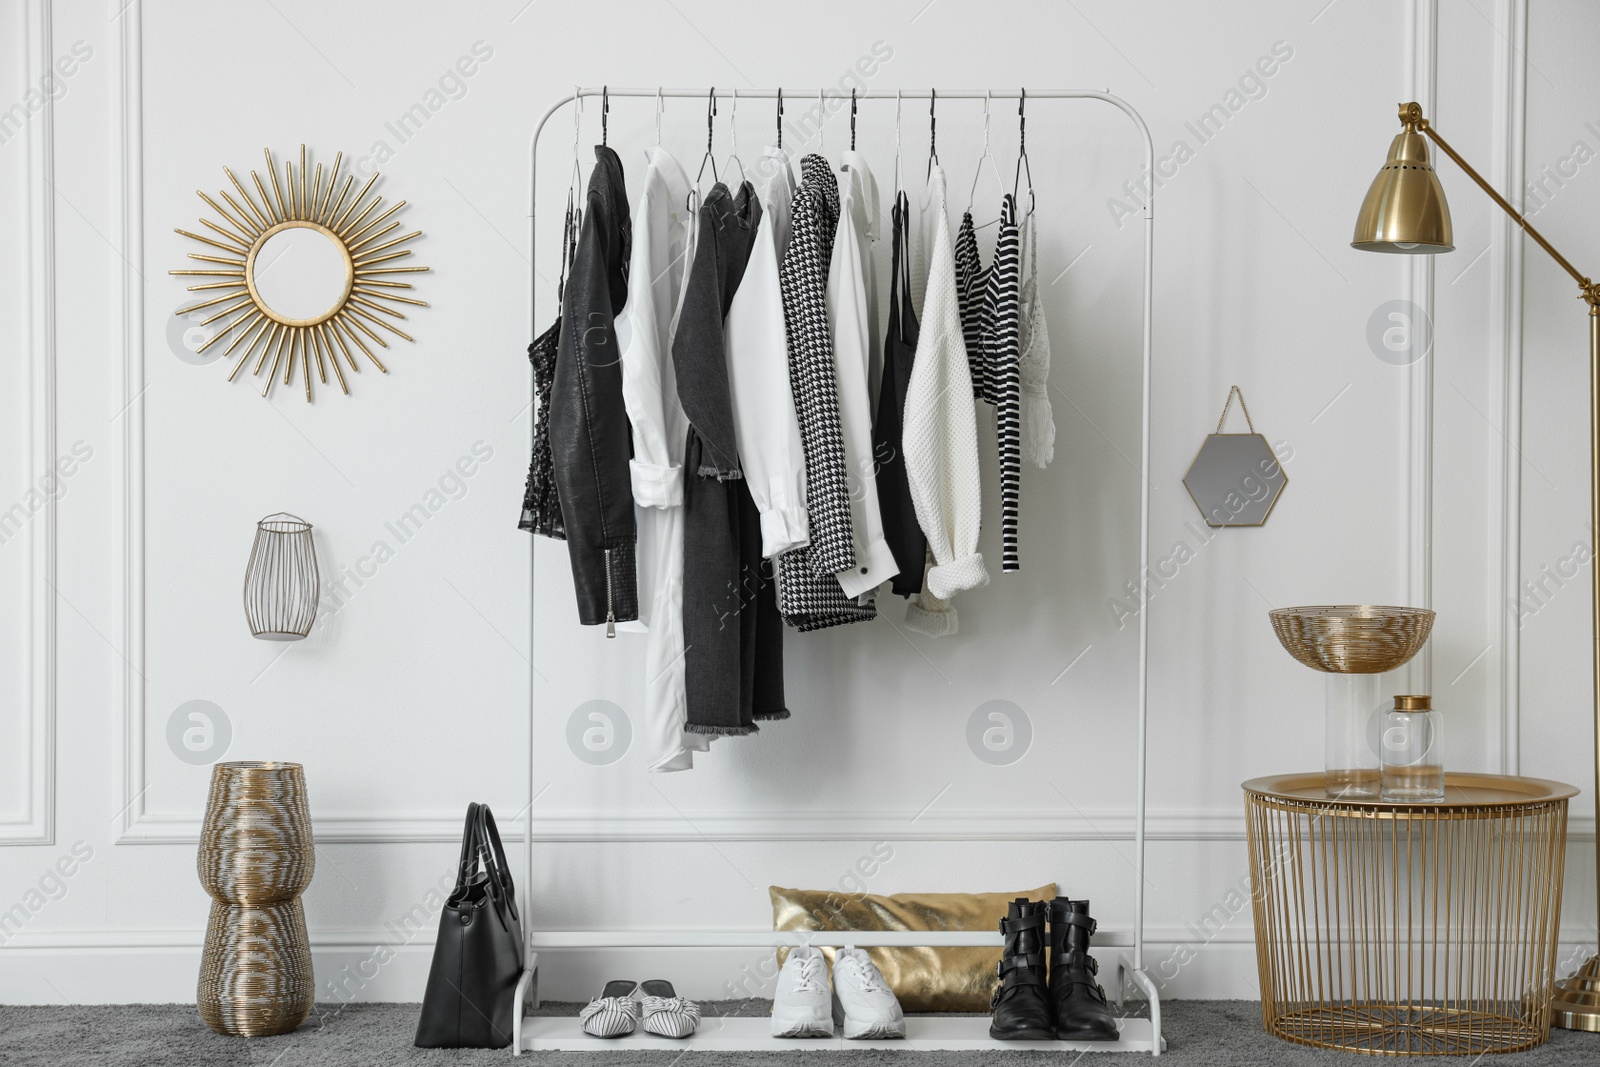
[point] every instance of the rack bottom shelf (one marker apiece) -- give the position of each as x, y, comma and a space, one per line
924, 1034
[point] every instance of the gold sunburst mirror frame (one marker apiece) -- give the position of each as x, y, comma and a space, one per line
277, 336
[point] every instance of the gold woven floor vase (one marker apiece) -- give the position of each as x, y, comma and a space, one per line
256, 858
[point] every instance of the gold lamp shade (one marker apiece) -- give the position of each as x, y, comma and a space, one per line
1405, 210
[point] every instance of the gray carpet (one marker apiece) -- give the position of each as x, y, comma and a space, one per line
1214, 1033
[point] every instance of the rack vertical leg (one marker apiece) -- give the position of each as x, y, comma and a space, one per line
525, 1001
1125, 971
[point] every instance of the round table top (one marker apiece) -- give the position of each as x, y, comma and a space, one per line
1460, 791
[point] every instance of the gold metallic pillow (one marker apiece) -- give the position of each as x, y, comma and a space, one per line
923, 979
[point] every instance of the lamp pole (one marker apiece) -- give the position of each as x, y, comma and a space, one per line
1577, 999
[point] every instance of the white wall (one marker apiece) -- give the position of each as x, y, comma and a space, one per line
412, 699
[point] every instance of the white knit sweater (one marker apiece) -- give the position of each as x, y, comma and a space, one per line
940, 438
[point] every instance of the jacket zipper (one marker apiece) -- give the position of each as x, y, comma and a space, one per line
611, 618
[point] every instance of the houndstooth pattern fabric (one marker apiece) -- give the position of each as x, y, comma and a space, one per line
972, 281
809, 595
1000, 347
811, 602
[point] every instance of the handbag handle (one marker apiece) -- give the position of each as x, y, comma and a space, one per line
469, 847
494, 857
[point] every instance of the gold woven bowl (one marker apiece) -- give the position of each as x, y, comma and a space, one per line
1352, 638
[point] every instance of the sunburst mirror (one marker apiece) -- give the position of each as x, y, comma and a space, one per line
308, 275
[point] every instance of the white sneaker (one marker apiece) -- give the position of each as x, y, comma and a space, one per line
861, 998
800, 1006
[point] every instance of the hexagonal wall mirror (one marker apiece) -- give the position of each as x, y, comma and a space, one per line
1235, 478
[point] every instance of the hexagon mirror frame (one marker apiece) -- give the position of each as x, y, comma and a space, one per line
361, 313
1235, 479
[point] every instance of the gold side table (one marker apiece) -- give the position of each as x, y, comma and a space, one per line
1408, 929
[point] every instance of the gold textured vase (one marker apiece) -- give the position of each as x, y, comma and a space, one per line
256, 858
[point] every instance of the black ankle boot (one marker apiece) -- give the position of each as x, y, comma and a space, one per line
1081, 1012
1022, 1002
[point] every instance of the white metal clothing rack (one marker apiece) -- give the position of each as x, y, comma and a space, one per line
745, 1034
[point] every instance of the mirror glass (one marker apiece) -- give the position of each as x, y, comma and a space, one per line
1235, 479
301, 273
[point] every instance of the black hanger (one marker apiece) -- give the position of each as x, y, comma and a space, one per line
711, 113
605, 110
933, 130
780, 119
1022, 152
852, 119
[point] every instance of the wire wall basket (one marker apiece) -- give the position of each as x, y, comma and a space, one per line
280, 584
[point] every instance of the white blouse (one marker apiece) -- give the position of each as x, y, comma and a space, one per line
663, 236
765, 425
853, 322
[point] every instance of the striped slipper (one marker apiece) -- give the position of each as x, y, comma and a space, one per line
614, 1013
665, 1013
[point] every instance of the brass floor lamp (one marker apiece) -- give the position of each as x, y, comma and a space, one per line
1405, 212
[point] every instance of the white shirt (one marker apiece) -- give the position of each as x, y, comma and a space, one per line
765, 425
853, 324
663, 236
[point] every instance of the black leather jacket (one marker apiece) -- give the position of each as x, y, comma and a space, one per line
589, 435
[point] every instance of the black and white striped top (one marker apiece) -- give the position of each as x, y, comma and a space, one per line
998, 340
971, 281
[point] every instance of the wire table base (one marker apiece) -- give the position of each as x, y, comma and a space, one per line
1408, 929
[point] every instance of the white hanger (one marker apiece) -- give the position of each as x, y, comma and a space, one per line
733, 140
993, 166
577, 141
897, 102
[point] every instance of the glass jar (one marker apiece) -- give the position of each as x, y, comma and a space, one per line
1351, 704
1413, 751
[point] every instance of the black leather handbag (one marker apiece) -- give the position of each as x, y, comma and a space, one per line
477, 959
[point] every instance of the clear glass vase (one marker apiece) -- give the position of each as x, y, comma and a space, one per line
1350, 701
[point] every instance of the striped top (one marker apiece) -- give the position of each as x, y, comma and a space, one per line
971, 281
1000, 348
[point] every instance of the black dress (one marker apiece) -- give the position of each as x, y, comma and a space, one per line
733, 651
900, 528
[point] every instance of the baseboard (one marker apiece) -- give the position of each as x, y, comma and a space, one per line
101, 967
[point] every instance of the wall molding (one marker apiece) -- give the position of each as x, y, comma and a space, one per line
375, 965
131, 730
35, 825
1417, 286
1507, 171
604, 826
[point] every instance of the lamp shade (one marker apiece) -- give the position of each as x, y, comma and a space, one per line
1405, 209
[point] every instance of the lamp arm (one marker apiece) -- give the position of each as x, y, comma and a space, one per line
1411, 115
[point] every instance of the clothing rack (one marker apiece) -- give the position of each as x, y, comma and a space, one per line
925, 1033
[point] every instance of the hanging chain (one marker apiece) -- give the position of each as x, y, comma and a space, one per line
1231, 393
